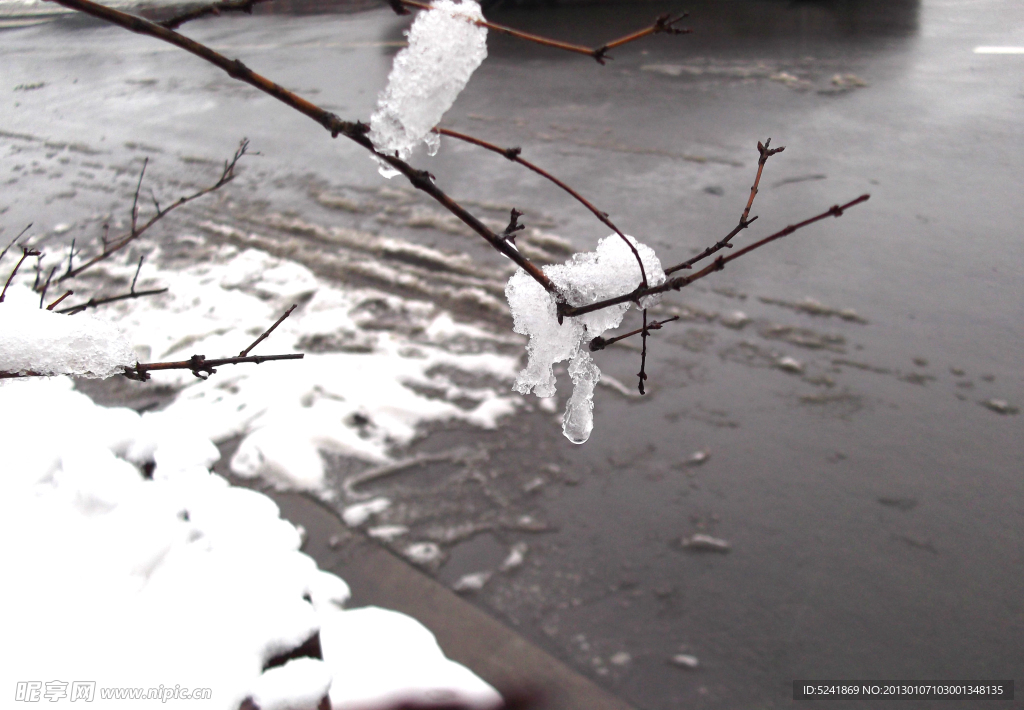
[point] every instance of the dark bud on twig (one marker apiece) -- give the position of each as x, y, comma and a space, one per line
509, 234
665, 23
598, 343
199, 366
512, 153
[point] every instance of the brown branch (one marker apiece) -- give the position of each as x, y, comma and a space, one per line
46, 286
57, 302
600, 343
25, 253
680, 281
109, 248
268, 331
216, 8
94, 302
356, 131
515, 155
198, 365
14, 241
663, 24
765, 153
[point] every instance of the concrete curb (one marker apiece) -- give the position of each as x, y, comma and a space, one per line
490, 649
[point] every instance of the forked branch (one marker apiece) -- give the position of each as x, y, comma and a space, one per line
674, 284
203, 368
515, 155
136, 231
764, 153
355, 131
665, 23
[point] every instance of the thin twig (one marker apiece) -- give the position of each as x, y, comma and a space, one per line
509, 235
109, 248
71, 252
725, 243
268, 331
57, 302
13, 241
94, 302
136, 277
680, 281
199, 365
515, 155
663, 24
46, 286
600, 343
216, 8
25, 253
355, 131
642, 375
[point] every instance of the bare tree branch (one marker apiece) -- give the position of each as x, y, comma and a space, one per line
57, 302
680, 281
268, 331
216, 8
600, 343
663, 24
515, 155
13, 241
25, 253
94, 302
200, 366
420, 179
109, 248
203, 368
765, 153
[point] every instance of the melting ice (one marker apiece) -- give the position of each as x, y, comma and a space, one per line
610, 271
445, 48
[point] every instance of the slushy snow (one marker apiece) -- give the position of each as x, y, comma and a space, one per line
445, 48
610, 271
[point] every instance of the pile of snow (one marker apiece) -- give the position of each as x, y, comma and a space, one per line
178, 581
49, 343
610, 271
359, 403
445, 48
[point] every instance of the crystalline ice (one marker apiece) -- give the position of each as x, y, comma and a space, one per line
48, 343
609, 271
445, 48
578, 420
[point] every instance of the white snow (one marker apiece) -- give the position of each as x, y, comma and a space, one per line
472, 582
184, 579
400, 655
179, 580
445, 48
357, 514
33, 339
359, 403
609, 271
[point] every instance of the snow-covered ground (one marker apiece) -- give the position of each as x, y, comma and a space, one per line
179, 579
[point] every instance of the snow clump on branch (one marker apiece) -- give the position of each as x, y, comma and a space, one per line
445, 48
47, 343
610, 271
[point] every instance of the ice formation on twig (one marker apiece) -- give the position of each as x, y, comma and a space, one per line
610, 271
445, 48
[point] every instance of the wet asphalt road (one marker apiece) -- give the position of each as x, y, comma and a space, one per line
873, 501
